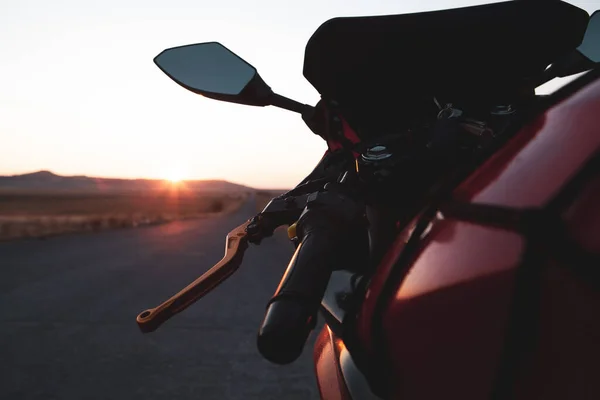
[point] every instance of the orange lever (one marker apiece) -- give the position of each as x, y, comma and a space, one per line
236, 244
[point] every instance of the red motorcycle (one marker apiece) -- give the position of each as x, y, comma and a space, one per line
450, 235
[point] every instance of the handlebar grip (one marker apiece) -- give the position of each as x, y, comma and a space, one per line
291, 314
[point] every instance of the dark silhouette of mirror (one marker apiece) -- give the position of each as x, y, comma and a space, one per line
206, 67
590, 47
584, 58
212, 70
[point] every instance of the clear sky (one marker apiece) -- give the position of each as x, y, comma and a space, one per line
79, 93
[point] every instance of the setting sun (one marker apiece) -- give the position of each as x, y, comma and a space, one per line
174, 176
174, 179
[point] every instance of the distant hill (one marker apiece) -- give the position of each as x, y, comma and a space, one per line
48, 181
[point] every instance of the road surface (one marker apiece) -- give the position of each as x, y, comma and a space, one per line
68, 306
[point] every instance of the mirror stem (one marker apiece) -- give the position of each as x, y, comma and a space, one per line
289, 104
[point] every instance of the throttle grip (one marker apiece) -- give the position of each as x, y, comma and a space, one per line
291, 314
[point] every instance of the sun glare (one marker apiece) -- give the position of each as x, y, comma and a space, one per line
174, 176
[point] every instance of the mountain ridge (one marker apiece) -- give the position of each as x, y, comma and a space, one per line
47, 180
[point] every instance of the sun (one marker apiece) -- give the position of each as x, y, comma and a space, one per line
174, 176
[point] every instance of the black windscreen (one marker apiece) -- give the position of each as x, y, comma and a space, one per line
392, 64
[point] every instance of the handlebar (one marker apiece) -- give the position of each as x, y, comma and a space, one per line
291, 313
328, 222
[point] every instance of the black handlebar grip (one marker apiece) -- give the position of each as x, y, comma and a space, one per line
291, 314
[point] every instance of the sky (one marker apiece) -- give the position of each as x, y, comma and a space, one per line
80, 94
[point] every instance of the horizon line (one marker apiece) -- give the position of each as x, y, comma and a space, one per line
14, 175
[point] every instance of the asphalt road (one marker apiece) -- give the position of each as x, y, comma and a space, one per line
68, 306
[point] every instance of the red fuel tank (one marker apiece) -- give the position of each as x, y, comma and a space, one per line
486, 309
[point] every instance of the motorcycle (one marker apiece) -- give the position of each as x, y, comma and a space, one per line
449, 234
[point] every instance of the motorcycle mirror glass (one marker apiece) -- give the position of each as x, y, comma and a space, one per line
590, 47
212, 70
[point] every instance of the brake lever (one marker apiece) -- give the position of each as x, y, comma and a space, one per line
280, 211
235, 246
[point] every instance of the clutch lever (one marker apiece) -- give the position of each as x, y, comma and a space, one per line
235, 246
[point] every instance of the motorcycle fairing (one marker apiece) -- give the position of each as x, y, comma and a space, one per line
380, 67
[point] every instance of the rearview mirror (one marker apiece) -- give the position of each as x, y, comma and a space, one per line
584, 58
590, 47
212, 70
